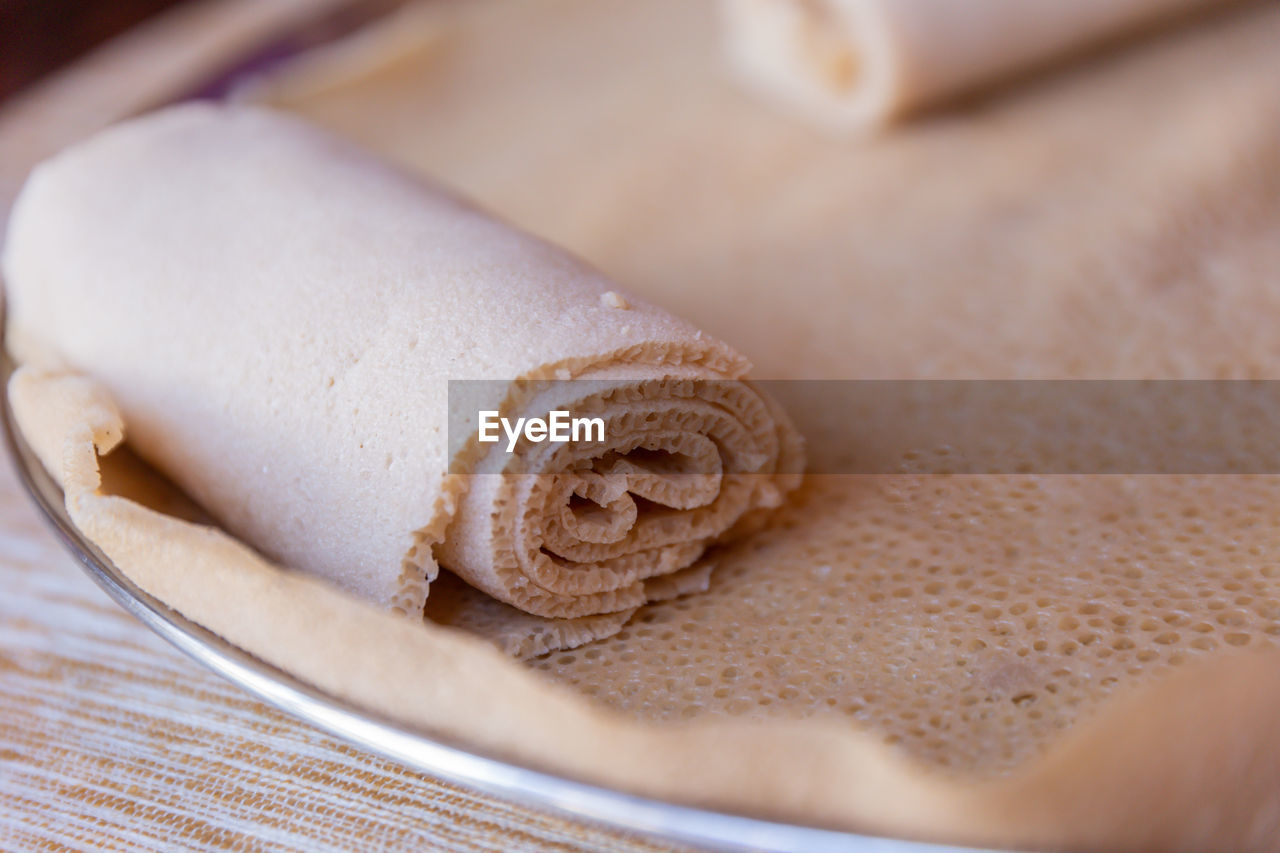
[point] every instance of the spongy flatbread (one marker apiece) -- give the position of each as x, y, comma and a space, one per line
1112, 221
855, 64
280, 316
1116, 221
1194, 754
1119, 221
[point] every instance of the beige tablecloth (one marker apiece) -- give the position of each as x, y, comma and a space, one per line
111, 739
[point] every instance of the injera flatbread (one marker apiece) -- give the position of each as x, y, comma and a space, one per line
1193, 753
283, 348
1116, 221
861, 63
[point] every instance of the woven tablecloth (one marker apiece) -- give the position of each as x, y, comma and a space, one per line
109, 738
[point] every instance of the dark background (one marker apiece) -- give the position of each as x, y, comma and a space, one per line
38, 36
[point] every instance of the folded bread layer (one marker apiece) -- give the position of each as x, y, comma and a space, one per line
1196, 749
279, 316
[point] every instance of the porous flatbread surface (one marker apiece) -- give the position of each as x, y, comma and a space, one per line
1193, 752
1116, 220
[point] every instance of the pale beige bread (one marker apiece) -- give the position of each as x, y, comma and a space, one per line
523, 635
862, 63
1193, 755
279, 317
970, 619
1118, 220
1115, 222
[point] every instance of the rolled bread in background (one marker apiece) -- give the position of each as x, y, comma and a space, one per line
278, 316
862, 63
